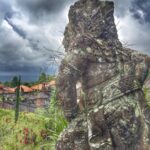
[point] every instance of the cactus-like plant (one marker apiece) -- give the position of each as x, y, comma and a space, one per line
17, 99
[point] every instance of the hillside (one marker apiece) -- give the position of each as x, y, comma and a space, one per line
33, 131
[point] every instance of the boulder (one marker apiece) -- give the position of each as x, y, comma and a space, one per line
100, 84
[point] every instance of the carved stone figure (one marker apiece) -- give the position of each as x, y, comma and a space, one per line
106, 80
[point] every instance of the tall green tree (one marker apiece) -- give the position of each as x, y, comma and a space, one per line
14, 81
42, 77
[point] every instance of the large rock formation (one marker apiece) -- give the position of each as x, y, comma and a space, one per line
109, 111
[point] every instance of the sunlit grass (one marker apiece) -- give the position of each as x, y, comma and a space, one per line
33, 131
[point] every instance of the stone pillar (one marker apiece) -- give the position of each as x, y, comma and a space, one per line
114, 114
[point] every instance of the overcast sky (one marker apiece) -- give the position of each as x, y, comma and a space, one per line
29, 29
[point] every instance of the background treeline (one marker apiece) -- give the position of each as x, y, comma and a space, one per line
43, 77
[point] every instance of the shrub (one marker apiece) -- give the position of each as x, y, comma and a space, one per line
56, 121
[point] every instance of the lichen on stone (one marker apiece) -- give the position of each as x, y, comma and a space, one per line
115, 113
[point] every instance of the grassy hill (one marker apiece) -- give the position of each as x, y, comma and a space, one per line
37, 131
26, 134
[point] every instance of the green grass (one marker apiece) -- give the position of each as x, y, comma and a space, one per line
33, 131
56, 121
25, 134
147, 94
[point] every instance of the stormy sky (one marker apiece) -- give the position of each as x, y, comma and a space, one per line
31, 32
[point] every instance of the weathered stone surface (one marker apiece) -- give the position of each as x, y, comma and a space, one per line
108, 112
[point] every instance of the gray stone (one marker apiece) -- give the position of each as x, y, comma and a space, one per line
109, 112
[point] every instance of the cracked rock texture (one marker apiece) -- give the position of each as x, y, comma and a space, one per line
100, 84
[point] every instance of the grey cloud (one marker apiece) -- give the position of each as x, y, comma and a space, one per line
39, 6
36, 27
16, 29
22, 55
122, 7
141, 10
5, 8
23, 34
28, 45
15, 55
43, 10
134, 34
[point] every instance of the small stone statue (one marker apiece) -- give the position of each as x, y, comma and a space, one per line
107, 111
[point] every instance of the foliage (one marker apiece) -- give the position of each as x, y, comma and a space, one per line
147, 94
2, 98
56, 122
148, 74
42, 77
147, 90
50, 77
7, 83
29, 84
23, 135
32, 131
14, 81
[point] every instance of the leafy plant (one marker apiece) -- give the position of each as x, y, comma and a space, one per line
56, 121
146, 94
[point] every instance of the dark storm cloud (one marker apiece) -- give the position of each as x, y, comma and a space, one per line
5, 8
43, 9
16, 29
40, 6
141, 10
30, 29
25, 45
16, 55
